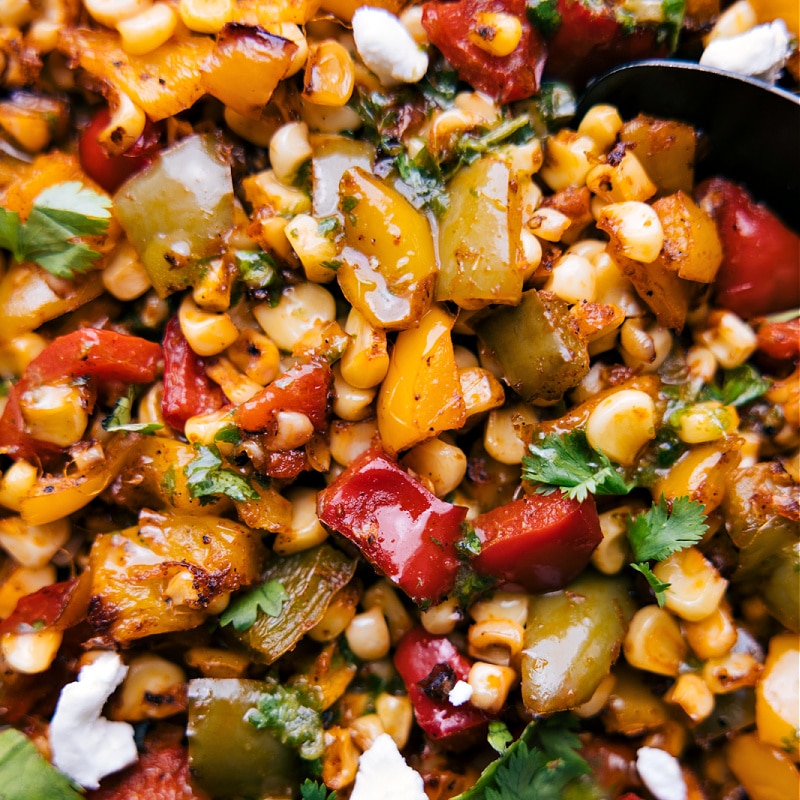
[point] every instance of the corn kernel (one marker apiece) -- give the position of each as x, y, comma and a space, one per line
153, 689
567, 159
306, 530
443, 618
124, 276
706, 422
443, 465
714, 635
301, 309
620, 180
329, 74
500, 436
205, 16
692, 694
621, 424
368, 635
55, 414
349, 439
289, 150
383, 595
337, 616
480, 389
696, 587
15, 484
110, 12
32, 652
208, 333
603, 124
573, 279
654, 642
613, 552
496, 641
637, 228
33, 545
731, 672
365, 362
21, 581
256, 356
490, 684
396, 714
728, 337
147, 30
496, 33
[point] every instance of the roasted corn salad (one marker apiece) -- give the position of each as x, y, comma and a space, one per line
372, 427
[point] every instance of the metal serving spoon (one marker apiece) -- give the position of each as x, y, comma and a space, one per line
751, 129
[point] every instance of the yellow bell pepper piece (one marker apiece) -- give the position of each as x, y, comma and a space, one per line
764, 772
778, 695
421, 394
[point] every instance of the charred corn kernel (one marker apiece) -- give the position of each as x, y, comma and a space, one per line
728, 337
480, 389
490, 684
654, 641
636, 226
613, 552
289, 150
329, 74
32, 652
337, 616
22, 581
596, 703
349, 439
33, 545
257, 131
203, 428
236, 386
496, 33
777, 700
714, 635
148, 30
368, 635
547, 223
149, 410
573, 279
567, 159
340, 758
124, 276
737, 18
731, 672
205, 16
644, 346
443, 465
701, 363
500, 436
306, 530
212, 291
317, 252
55, 414
530, 253
255, 355
525, 159
497, 641
153, 689
366, 729
125, 126
621, 424
264, 190
301, 309
706, 422
366, 360
350, 403
294, 429
294, 33
696, 587
691, 693
396, 714
110, 12
502, 605
603, 124
208, 333
443, 618
383, 595
620, 179
215, 662
181, 589
764, 772
15, 484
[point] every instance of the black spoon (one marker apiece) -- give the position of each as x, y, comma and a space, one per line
752, 129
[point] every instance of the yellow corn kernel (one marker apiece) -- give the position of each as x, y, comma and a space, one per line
147, 30
500, 436
215, 662
301, 309
731, 672
497, 641
728, 337
490, 684
55, 414
692, 694
317, 252
613, 287
443, 618
153, 689
149, 410
621, 179
443, 465
644, 346
236, 386
256, 356
32, 652
125, 276
701, 363
621, 424
15, 484
329, 74
212, 291
603, 124
480, 389
596, 703
613, 552
696, 587
636, 226
337, 616
125, 126
706, 422
18, 352
182, 589
368, 635
396, 714
765, 772
548, 223
654, 641
208, 333
33, 545
366, 360
110, 12
205, 16
329, 119
257, 131
502, 605
714, 635
306, 530
366, 729
22, 581
264, 190
349, 439
496, 33
383, 595
777, 701
340, 759
567, 159
294, 33
573, 279
349, 402
525, 159
289, 149
737, 18
16, 13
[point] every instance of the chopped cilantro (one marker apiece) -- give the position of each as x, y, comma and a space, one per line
740, 386
120, 418
348, 204
168, 482
327, 226
259, 273
499, 736
229, 434
207, 478
469, 545
423, 177
469, 585
60, 214
568, 462
313, 791
333, 264
543, 15
243, 612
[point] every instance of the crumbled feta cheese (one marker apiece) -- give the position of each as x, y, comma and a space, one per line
661, 774
760, 52
387, 48
85, 746
460, 693
384, 775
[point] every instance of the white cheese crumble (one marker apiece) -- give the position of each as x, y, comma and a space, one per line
384, 775
760, 52
661, 774
86, 746
460, 693
387, 48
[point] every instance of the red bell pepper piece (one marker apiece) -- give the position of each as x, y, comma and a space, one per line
506, 78
94, 353
188, 391
760, 270
780, 340
419, 654
402, 529
540, 542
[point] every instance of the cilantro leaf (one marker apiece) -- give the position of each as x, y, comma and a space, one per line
423, 176
120, 418
544, 15
313, 791
499, 737
658, 533
243, 612
469, 545
659, 587
567, 461
60, 214
206, 477
25, 773
740, 386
